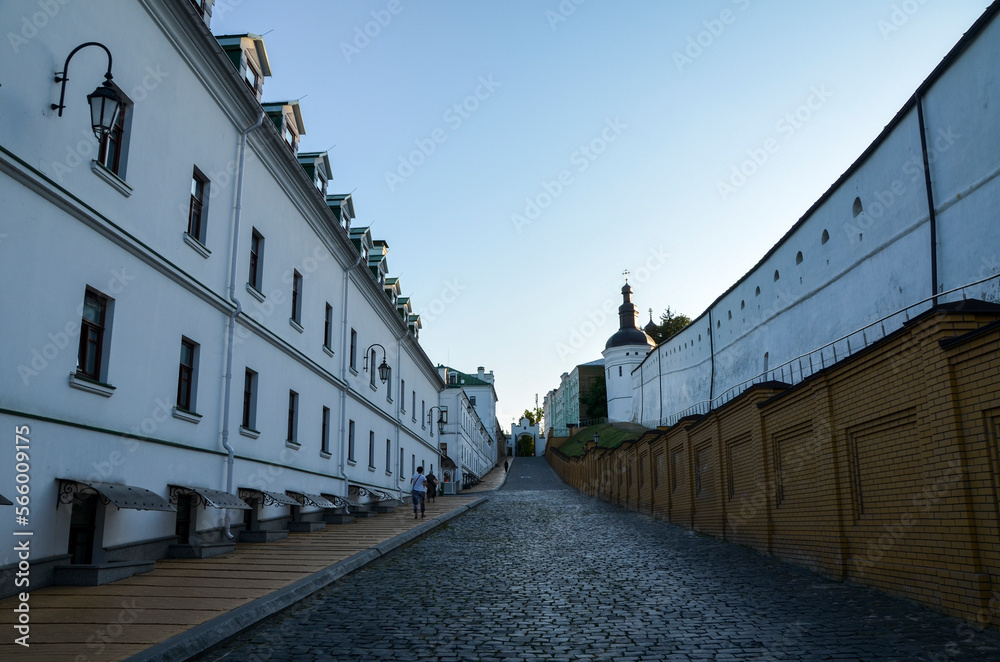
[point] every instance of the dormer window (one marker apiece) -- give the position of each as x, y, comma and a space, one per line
251, 77
291, 139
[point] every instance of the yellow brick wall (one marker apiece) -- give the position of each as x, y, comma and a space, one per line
883, 469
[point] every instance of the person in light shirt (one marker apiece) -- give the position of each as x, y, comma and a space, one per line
419, 483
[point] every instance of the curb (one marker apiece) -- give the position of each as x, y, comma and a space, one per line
202, 637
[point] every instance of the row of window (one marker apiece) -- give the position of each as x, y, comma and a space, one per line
92, 365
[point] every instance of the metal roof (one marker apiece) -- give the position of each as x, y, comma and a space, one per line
269, 498
122, 496
214, 498
306, 499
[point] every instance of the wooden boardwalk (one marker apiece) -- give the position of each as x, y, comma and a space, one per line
118, 620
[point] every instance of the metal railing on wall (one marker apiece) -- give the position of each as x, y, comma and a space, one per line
801, 367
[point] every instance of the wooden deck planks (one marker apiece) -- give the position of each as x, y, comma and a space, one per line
115, 621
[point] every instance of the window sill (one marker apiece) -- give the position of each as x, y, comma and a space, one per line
255, 293
354, 371
111, 178
388, 473
373, 387
371, 468
295, 325
84, 383
327, 351
294, 445
198, 247
186, 415
247, 432
352, 462
325, 455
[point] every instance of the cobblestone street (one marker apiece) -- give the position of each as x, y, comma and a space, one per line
541, 572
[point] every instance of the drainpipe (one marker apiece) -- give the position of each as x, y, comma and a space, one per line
930, 196
711, 350
228, 388
343, 378
399, 418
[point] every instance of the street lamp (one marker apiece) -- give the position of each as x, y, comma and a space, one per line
383, 369
105, 102
442, 418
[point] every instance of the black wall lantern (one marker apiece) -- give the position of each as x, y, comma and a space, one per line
383, 369
105, 103
442, 418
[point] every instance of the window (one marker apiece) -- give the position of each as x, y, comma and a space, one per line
402, 459
256, 275
413, 464
328, 327
371, 449
197, 212
186, 375
388, 456
91, 361
619, 371
423, 414
350, 441
413, 405
324, 439
293, 416
296, 297
249, 400
371, 368
402, 395
825, 238
388, 388
111, 151
354, 350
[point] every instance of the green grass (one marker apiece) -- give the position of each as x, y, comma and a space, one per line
611, 435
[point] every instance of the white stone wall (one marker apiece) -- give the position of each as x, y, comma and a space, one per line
872, 264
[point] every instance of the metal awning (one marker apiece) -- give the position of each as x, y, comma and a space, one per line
4, 501
340, 502
210, 498
306, 499
122, 496
268, 498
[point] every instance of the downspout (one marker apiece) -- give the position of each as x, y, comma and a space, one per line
711, 350
343, 378
932, 219
228, 388
399, 418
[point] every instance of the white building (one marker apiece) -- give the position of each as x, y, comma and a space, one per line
469, 436
916, 216
193, 320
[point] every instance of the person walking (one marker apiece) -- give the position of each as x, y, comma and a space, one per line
418, 482
432, 487
506, 466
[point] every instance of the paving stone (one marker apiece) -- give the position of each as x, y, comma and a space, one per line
541, 572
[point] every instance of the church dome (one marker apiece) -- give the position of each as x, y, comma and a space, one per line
629, 332
632, 336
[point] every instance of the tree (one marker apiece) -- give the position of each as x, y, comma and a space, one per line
670, 324
595, 400
534, 416
526, 446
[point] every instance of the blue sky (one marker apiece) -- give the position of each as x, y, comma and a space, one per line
519, 155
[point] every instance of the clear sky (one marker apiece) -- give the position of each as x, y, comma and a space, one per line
519, 155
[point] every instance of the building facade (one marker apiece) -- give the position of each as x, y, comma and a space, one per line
469, 430
196, 323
